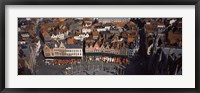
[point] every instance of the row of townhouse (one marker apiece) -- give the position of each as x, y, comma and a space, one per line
117, 48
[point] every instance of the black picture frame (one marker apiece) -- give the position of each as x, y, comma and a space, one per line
3, 3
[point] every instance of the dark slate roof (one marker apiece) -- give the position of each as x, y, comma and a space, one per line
52, 44
63, 41
114, 30
99, 27
73, 45
23, 33
105, 32
47, 37
172, 50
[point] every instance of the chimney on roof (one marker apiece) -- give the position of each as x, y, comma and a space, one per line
56, 46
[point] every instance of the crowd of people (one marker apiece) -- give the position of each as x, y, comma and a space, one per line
104, 59
107, 59
62, 61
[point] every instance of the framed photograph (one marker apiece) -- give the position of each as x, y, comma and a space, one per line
109, 46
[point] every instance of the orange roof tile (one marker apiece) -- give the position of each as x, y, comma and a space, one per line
87, 19
173, 37
95, 33
70, 41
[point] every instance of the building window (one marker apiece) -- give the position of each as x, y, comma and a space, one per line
57, 53
47, 54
